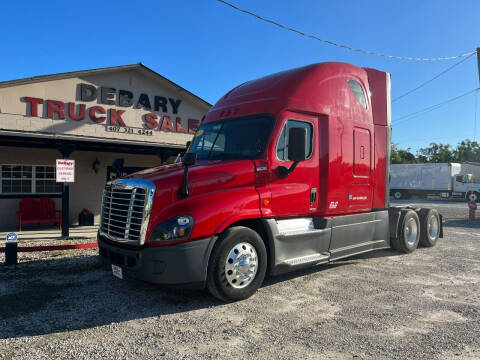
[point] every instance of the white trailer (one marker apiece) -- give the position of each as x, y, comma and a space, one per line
443, 179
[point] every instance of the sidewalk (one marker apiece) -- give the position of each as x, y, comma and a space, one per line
54, 235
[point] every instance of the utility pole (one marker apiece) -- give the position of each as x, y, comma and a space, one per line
476, 95
478, 63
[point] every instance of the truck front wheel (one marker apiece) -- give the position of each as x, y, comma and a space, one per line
237, 265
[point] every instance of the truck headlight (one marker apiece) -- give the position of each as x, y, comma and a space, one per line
175, 229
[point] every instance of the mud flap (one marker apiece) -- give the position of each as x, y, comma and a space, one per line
393, 218
441, 226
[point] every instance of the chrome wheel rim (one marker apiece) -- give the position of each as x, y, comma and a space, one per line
397, 195
241, 265
411, 230
472, 197
432, 227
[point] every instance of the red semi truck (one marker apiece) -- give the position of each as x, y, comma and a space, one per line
285, 172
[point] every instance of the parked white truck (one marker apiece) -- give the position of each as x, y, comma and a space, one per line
443, 179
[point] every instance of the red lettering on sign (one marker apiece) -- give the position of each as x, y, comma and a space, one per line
116, 115
180, 128
150, 121
193, 125
93, 115
33, 105
55, 107
167, 124
73, 115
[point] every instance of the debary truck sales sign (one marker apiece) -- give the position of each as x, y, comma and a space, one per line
112, 117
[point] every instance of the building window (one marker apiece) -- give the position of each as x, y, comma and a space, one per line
282, 145
45, 180
28, 179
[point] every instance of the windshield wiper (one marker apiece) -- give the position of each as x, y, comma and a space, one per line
215, 140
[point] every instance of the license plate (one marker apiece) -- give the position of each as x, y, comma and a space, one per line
117, 271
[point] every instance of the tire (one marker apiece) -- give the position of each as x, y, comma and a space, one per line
408, 233
473, 195
227, 279
429, 227
397, 195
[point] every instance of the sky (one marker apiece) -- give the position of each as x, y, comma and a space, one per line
208, 47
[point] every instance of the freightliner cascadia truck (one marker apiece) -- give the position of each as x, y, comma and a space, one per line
285, 172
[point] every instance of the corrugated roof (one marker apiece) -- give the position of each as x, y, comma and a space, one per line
79, 73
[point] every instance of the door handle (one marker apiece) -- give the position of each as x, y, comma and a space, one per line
313, 196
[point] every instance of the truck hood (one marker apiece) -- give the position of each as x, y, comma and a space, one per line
203, 178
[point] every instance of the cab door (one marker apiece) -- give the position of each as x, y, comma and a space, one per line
295, 195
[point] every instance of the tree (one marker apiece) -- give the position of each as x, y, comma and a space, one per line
436, 153
401, 156
467, 150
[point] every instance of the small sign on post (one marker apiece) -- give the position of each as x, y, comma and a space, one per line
65, 170
11, 257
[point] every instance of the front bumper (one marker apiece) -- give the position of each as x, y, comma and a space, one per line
181, 264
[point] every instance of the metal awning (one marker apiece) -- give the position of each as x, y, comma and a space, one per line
85, 143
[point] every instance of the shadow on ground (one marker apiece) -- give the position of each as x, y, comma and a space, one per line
57, 295
463, 223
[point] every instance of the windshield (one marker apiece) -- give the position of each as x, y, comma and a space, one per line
240, 138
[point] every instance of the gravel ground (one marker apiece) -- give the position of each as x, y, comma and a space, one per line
381, 305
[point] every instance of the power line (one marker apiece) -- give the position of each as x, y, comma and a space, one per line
368, 52
431, 108
435, 77
433, 138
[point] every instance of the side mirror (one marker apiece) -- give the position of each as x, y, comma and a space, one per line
189, 158
297, 139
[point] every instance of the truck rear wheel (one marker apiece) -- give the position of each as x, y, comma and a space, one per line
430, 227
237, 265
409, 232
397, 195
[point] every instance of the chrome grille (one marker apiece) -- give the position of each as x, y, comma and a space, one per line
126, 208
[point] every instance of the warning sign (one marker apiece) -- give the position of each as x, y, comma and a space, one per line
65, 170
